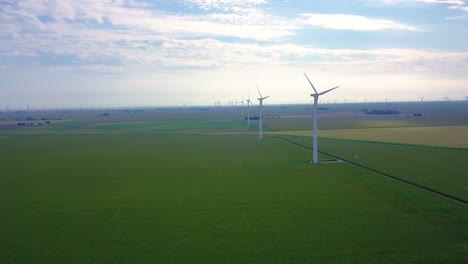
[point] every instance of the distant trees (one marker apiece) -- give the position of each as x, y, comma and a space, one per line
253, 118
382, 112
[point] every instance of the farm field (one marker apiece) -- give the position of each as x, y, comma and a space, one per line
199, 187
210, 199
442, 136
183, 126
441, 169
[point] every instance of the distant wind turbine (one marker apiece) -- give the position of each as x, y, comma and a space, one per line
316, 97
242, 107
261, 98
248, 109
422, 98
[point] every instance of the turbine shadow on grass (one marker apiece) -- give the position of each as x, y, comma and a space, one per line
332, 161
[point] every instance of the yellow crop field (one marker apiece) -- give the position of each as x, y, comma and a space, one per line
446, 136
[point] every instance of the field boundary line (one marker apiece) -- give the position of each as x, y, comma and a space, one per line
420, 186
397, 144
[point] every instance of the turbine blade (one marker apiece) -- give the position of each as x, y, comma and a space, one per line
329, 90
259, 92
310, 82
266, 97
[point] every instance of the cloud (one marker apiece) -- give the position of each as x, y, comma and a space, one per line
460, 7
352, 22
137, 56
119, 41
120, 36
453, 4
225, 4
49, 15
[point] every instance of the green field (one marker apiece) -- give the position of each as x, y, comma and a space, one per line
163, 191
441, 136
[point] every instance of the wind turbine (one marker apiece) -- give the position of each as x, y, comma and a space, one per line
316, 97
248, 109
261, 98
422, 98
242, 107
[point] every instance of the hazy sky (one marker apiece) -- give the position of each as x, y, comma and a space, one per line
184, 52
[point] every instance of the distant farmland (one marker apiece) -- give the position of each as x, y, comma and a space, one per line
443, 136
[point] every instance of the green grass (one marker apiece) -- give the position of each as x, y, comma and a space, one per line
210, 199
444, 170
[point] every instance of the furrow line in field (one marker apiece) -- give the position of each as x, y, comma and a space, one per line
429, 189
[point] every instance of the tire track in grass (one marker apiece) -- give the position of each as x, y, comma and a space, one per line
417, 185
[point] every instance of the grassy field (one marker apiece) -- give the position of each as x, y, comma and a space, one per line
210, 199
182, 126
197, 186
442, 136
442, 169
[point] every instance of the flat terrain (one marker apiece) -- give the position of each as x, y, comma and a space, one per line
187, 186
442, 136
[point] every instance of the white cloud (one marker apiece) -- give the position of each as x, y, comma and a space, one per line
453, 4
239, 23
352, 22
113, 35
126, 38
225, 4
460, 7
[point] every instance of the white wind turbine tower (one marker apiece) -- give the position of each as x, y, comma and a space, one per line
261, 115
248, 109
316, 97
242, 107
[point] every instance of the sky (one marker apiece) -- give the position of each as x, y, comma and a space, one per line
67, 53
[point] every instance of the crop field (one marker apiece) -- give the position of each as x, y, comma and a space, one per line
199, 187
441, 136
182, 126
